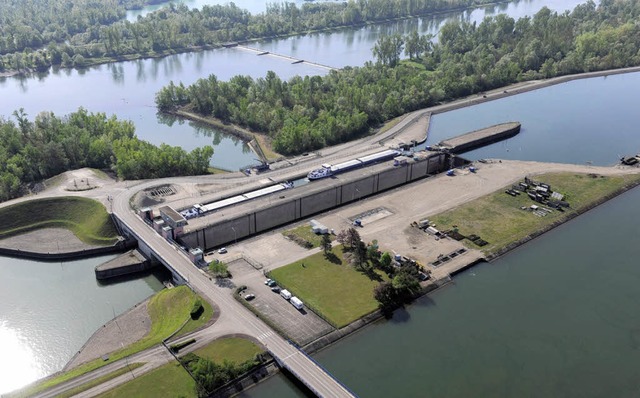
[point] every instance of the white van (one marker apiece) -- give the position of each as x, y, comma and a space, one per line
285, 294
296, 302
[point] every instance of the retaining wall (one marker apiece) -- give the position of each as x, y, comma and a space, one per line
281, 213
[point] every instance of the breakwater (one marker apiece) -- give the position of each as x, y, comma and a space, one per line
479, 138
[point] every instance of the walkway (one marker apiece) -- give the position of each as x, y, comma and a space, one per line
294, 60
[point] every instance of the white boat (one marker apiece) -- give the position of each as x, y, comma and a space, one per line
319, 173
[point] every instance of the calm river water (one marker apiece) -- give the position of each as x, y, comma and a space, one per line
49, 309
127, 89
557, 317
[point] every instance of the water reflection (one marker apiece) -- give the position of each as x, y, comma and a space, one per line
23, 365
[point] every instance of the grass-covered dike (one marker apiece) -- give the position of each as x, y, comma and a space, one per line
86, 218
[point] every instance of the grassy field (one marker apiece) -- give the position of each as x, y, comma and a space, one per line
232, 349
170, 380
339, 292
498, 219
86, 218
304, 233
168, 310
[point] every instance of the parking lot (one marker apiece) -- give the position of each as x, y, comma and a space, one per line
302, 326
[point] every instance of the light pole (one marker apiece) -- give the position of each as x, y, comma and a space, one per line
235, 235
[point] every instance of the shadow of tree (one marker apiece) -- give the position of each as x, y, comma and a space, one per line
331, 257
225, 282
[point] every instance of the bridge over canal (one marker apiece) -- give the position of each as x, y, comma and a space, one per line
233, 315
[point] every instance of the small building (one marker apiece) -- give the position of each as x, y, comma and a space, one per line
433, 231
158, 224
167, 232
318, 228
401, 160
196, 255
174, 220
146, 213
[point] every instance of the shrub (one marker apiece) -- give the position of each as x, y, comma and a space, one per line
197, 309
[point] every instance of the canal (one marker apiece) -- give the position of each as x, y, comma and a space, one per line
557, 317
45, 322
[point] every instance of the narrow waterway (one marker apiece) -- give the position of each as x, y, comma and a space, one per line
557, 317
48, 310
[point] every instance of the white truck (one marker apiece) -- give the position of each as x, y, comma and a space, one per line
296, 302
285, 294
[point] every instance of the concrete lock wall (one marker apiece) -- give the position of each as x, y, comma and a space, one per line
417, 170
282, 213
276, 215
358, 189
318, 202
393, 177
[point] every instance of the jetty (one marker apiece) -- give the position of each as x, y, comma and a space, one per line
479, 138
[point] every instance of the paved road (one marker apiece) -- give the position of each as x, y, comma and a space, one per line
234, 318
233, 315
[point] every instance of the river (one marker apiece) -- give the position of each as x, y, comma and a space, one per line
44, 321
127, 89
557, 317
48, 311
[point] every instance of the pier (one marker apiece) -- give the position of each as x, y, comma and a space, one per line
290, 58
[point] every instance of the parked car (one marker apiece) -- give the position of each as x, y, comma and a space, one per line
285, 294
275, 289
270, 282
249, 296
222, 250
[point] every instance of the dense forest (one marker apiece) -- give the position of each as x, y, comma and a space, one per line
35, 150
36, 34
306, 113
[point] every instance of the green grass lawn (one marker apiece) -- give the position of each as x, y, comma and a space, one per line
170, 380
86, 218
232, 349
338, 291
168, 310
498, 219
304, 233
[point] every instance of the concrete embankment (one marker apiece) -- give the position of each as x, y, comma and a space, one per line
127, 263
479, 138
38, 251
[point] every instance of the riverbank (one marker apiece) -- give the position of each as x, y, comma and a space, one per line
407, 134
89, 62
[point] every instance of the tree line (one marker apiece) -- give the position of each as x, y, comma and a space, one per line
33, 150
36, 34
307, 113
